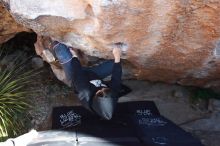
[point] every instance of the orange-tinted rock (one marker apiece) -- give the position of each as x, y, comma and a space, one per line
175, 41
8, 26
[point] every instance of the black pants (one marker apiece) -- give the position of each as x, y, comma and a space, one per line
104, 107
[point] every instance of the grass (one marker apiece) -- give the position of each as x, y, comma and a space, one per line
14, 80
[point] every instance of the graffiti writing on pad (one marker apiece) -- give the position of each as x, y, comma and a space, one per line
70, 119
152, 122
145, 112
160, 140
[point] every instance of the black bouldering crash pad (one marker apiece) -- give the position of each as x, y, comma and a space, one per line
133, 124
157, 131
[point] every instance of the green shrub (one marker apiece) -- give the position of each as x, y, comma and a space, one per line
205, 94
13, 97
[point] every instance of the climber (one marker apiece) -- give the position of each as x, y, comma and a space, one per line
97, 96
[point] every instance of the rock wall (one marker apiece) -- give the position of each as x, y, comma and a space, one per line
174, 41
8, 26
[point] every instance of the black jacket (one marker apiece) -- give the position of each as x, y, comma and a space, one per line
86, 90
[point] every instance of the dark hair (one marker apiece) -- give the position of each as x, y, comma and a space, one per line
103, 93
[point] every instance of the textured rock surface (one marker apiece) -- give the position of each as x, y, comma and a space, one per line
176, 41
8, 26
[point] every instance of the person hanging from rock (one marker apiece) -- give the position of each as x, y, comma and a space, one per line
95, 94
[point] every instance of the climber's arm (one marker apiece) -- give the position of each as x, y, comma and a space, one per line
115, 84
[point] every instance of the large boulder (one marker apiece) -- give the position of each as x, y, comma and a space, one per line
8, 26
175, 41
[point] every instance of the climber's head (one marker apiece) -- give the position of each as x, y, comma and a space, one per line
103, 92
